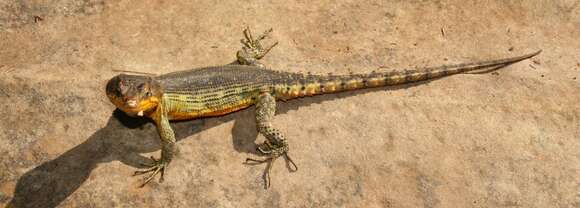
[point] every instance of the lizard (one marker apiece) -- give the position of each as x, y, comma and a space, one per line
220, 90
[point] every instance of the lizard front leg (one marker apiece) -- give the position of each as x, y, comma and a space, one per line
168, 149
275, 144
252, 49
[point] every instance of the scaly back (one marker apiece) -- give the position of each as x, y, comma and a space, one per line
225, 85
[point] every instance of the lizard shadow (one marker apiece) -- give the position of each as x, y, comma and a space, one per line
244, 130
123, 138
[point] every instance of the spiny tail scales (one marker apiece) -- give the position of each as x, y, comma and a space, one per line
309, 85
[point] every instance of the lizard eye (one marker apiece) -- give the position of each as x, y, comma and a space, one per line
141, 86
122, 88
148, 94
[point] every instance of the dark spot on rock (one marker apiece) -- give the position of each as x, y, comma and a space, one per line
20, 13
426, 187
36, 98
38, 19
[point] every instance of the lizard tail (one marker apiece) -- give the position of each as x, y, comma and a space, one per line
309, 85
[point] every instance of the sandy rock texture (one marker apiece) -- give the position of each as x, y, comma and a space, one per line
505, 139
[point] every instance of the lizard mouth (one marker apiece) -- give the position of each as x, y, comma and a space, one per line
137, 108
132, 103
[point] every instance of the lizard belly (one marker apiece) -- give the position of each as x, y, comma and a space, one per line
183, 105
207, 111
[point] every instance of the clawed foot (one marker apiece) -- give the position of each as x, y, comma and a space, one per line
273, 152
252, 49
157, 166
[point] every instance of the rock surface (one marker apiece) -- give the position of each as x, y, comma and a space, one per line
503, 139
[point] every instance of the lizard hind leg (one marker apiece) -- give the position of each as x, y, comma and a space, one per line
252, 49
275, 144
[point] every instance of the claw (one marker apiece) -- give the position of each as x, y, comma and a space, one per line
252, 48
155, 161
246, 43
141, 172
265, 34
265, 151
290, 163
256, 161
266, 175
266, 51
150, 177
157, 167
248, 35
273, 152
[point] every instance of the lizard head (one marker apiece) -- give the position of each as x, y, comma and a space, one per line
133, 94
